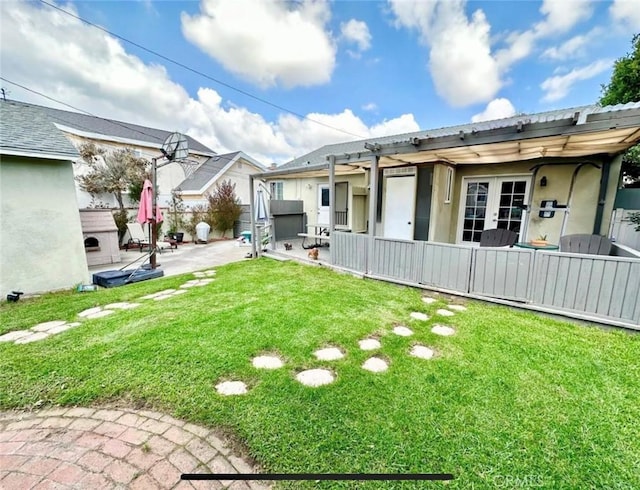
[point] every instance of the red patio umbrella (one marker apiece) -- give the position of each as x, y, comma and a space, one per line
145, 215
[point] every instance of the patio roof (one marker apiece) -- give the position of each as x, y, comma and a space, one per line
571, 133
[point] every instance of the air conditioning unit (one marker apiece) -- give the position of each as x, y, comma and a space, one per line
399, 171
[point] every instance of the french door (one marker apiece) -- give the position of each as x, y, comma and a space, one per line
491, 202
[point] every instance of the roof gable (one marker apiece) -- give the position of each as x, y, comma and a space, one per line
207, 173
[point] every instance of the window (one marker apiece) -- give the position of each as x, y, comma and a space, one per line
276, 190
448, 189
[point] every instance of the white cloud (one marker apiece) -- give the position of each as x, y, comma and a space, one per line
461, 62
371, 106
70, 61
357, 32
557, 87
496, 109
267, 43
627, 13
572, 48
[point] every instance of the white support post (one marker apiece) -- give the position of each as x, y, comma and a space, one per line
252, 210
373, 206
154, 233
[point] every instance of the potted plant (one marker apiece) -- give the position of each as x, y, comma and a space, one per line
176, 220
541, 241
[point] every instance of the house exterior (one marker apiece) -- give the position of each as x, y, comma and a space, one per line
111, 134
236, 167
553, 174
41, 245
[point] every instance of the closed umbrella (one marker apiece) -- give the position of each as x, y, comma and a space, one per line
261, 207
145, 211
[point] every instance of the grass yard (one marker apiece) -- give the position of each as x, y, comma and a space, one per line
513, 399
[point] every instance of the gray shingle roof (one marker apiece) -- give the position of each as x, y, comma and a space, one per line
319, 156
29, 131
112, 127
206, 172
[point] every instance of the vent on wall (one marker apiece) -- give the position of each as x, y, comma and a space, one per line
399, 171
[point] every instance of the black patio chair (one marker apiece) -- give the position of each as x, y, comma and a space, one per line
585, 244
498, 237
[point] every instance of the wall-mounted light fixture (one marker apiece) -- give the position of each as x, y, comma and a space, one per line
543, 181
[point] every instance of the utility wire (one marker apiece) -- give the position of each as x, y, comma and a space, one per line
198, 72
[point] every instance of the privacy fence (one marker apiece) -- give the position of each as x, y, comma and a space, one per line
600, 288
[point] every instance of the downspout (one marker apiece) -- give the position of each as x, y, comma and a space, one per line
252, 210
602, 198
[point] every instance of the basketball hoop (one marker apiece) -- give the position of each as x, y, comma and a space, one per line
188, 166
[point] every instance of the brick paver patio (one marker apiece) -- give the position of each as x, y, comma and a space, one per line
87, 448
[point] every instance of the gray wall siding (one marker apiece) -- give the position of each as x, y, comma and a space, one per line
445, 266
502, 273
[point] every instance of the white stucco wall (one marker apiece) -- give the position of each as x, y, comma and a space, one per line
41, 244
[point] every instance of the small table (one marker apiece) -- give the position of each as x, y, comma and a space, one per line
548, 246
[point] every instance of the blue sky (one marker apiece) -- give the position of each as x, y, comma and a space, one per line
368, 68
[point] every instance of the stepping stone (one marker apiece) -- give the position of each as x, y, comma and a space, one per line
152, 295
90, 311
179, 292
228, 388
419, 316
329, 354
403, 331
442, 330
43, 327
199, 274
457, 307
121, 306
428, 300
99, 314
315, 377
267, 362
422, 352
375, 365
204, 282
15, 335
189, 284
210, 272
32, 338
369, 344
162, 297
445, 312
61, 328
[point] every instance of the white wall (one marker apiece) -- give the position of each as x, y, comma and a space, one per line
41, 244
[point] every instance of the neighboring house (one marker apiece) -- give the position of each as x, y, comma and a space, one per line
236, 167
41, 245
552, 173
112, 135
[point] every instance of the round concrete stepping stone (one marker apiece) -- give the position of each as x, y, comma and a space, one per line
375, 365
329, 354
121, 306
15, 335
416, 315
204, 282
228, 388
428, 300
315, 377
32, 338
445, 312
369, 344
210, 272
162, 297
457, 307
402, 331
267, 362
62, 328
43, 327
90, 311
443, 330
152, 295
179, 292
100, 314
199, 274
188, 284
422, 352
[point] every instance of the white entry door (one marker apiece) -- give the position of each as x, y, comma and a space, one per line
399, 207
323, 204
491, 202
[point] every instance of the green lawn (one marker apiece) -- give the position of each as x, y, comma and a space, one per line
512, 397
